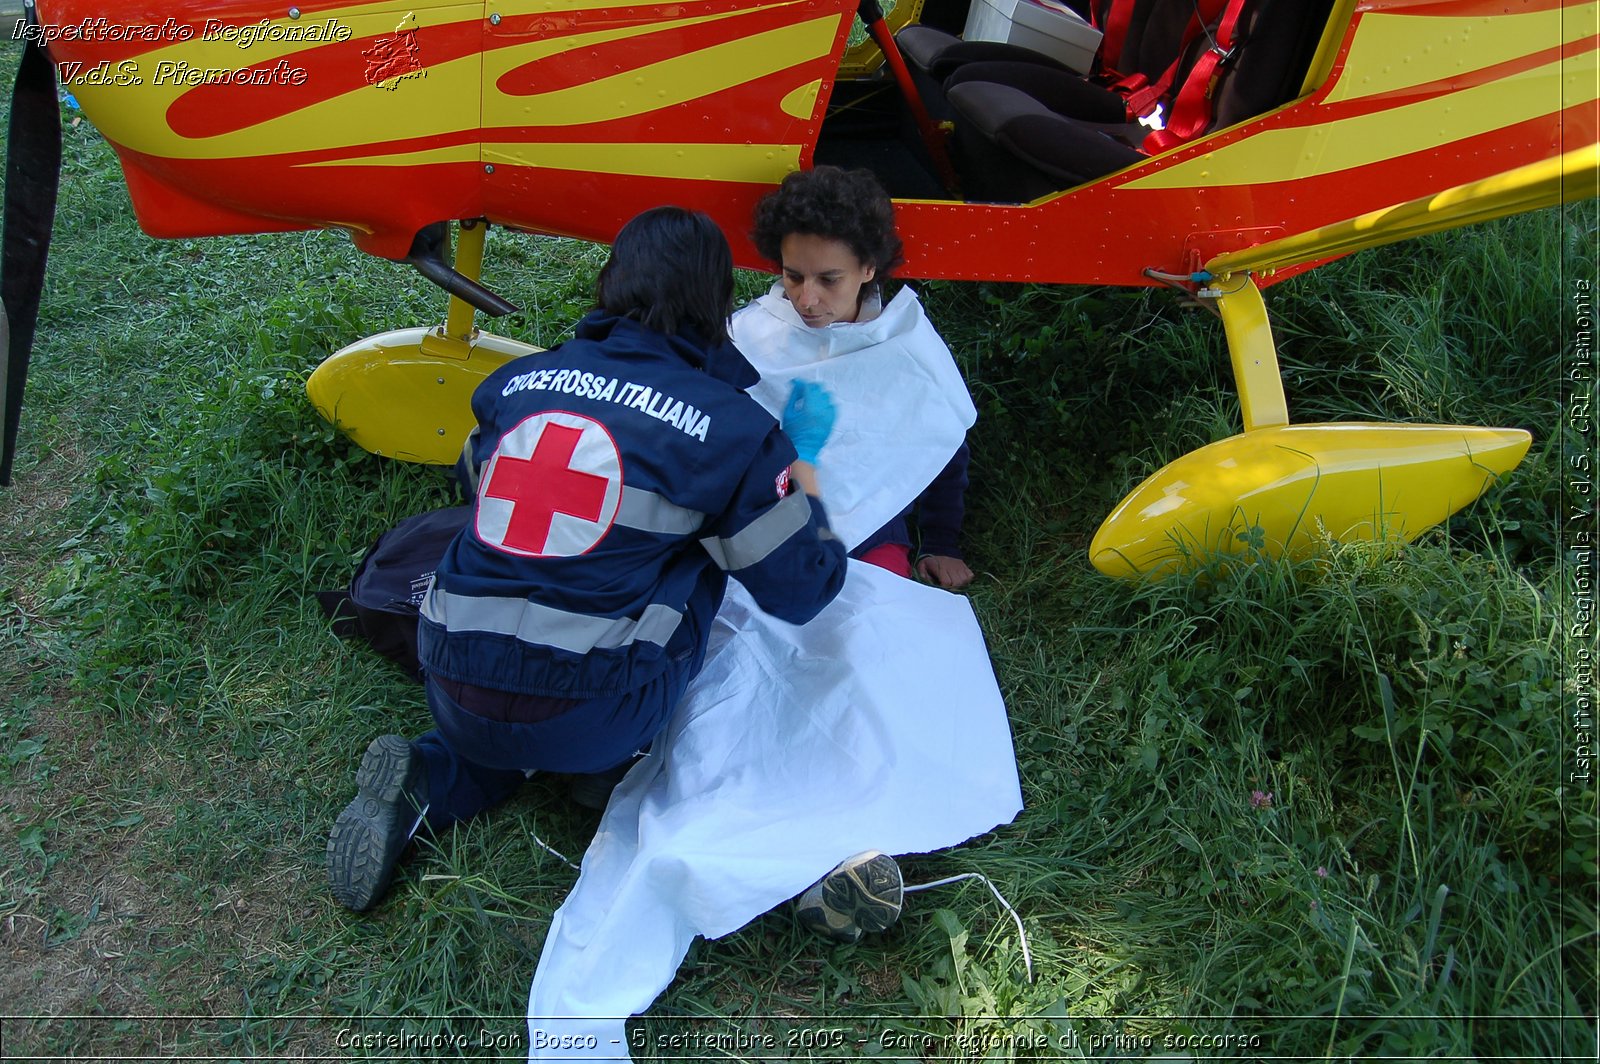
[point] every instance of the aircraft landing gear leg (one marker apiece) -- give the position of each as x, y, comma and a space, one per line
407, 394
1254, 355
1278, 489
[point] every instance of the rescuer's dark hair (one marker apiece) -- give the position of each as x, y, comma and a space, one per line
670, 269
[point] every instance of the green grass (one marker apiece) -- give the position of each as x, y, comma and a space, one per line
178, 727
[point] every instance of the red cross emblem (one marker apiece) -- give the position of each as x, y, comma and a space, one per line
551, 488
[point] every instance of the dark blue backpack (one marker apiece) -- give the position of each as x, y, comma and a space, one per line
385, 595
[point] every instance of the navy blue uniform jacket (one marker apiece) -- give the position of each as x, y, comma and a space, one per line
618, 480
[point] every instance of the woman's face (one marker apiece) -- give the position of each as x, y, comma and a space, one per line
822, 278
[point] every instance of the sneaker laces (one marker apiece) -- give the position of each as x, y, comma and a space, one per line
1027, 954
547, 848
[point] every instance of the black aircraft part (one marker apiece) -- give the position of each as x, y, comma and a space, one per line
33, 172
427, 255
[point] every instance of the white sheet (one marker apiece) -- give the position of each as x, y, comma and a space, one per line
796, 748
878, 726
903, 408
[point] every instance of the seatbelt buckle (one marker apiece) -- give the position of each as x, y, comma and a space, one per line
1154, 120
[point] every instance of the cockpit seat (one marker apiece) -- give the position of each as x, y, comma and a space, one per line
1010, 147
1023, 129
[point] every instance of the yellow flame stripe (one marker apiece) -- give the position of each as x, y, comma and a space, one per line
802, 101
693, 162
1572, 176
764, 163
442, 101
455, 153
665, 84
501, 61
1302, 152
1399, 51
446, 98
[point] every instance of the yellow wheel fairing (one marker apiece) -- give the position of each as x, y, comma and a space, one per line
393, 399
1282, 490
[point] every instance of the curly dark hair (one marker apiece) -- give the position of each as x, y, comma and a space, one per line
847, 205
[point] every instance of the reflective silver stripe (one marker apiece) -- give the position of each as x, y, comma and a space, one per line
649, 512
546, 625
762, 536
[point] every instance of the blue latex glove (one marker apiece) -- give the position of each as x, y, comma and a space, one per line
808, 418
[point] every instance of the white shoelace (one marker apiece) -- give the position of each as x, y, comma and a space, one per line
1027, 954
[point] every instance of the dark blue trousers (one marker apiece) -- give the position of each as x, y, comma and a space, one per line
475, 763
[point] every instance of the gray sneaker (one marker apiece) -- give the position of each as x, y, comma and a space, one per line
375, 828
864, 893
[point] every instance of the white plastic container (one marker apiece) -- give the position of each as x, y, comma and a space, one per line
1052, 29
989, 20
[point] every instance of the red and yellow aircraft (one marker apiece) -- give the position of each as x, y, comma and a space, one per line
391, 120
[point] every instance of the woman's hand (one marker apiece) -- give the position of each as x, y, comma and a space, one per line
945, 571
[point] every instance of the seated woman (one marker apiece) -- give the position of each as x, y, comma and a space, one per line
831, 232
